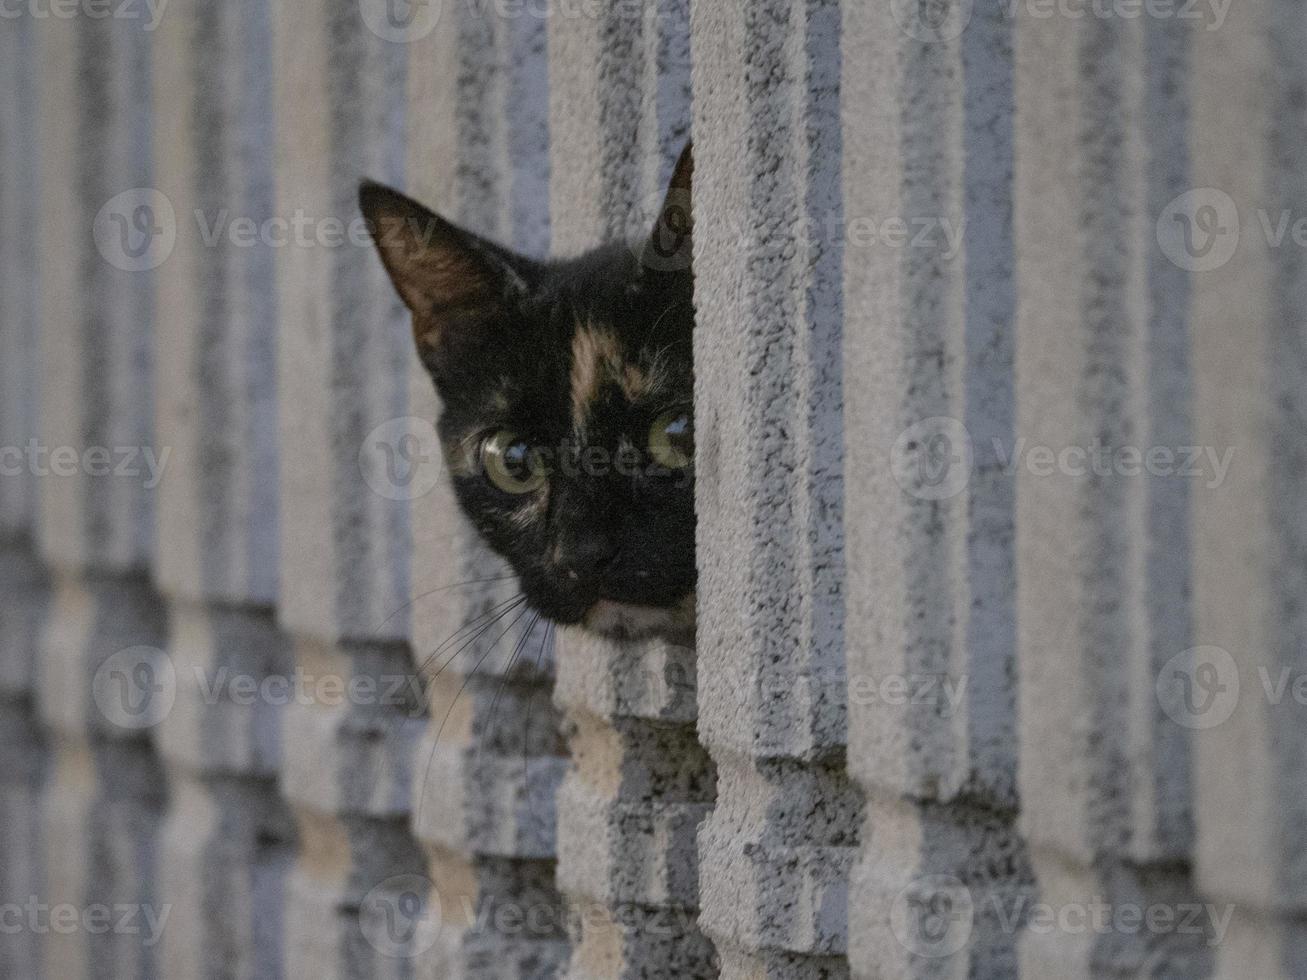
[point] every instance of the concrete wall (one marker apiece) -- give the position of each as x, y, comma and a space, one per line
999, 407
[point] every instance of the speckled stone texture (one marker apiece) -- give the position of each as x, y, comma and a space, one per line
1000, 426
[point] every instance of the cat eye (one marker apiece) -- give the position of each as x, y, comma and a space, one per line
671, 439
511, 464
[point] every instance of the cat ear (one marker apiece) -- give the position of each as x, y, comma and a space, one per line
438, 268
669, 247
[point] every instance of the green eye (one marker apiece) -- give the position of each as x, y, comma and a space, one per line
671, 439
511, 464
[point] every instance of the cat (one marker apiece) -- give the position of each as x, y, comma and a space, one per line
567, 419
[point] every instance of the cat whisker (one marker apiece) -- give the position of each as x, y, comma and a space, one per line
530, 702
467, 679
662, 316
503, 682
478, 624
442, 588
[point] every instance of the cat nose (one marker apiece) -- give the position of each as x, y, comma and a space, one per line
588, 553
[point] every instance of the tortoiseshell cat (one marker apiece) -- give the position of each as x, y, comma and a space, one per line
567, 391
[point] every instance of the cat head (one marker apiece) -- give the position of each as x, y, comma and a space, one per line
567, 406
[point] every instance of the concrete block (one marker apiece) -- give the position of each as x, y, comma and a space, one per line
344, 522
1103, 384
217, 304
769, 484
228, 837
630, 807
101, 682
348, 745
18, 281
1248, 532
23, 756
639, 784
926, 233
99, 462
101, 802
487, 769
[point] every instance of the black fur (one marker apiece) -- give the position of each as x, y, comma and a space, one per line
496, 332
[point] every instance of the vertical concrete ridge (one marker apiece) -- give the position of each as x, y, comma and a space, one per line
227, 842
488, 766
630, 806
640, 783
19, 290
770, 419
999, 409
1117, 827
1248, 531
344, 584
102, 802
24, 759
942, 873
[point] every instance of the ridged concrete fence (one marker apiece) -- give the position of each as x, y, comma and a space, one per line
1001, 410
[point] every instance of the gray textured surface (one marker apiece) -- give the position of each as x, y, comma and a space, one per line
930, 711
770, 489
928, 335
640, 784
1248, 539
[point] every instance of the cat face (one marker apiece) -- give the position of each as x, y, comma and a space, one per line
567, 421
